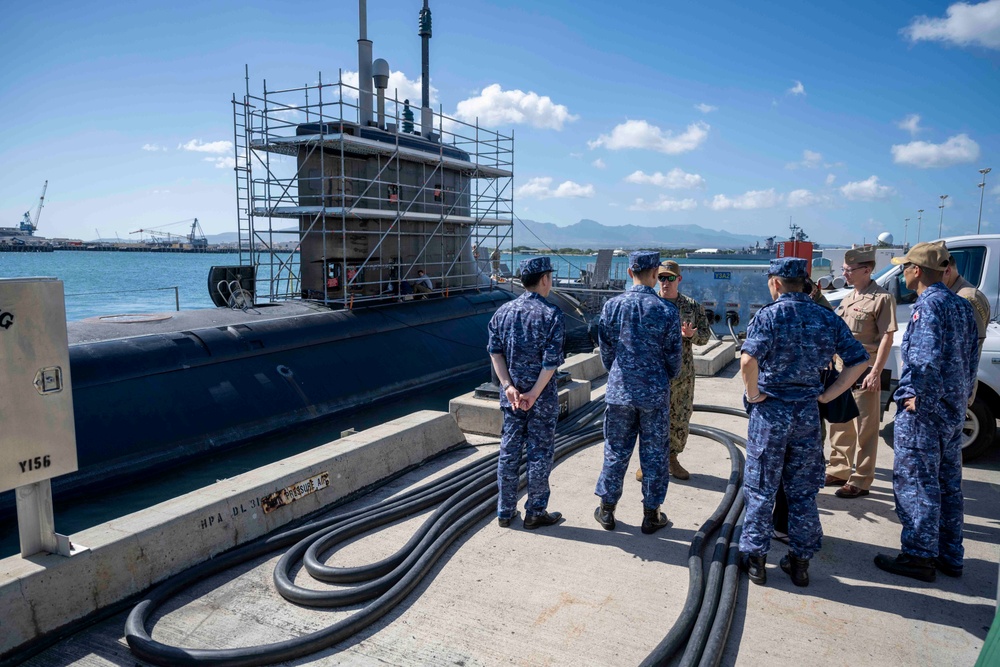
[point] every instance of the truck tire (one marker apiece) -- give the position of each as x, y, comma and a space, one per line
979, 431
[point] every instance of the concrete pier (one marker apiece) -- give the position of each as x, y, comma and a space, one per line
556, 595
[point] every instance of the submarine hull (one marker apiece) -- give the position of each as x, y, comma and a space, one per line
147, 402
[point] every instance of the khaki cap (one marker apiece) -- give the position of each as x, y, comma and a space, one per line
932, 256
865, 253
669, 267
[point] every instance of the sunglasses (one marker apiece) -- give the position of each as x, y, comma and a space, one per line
666, 279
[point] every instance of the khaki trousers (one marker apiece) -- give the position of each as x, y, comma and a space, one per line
854, 444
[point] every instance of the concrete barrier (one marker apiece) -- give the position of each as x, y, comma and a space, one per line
45, 592
484, 417
585, 366
712, 357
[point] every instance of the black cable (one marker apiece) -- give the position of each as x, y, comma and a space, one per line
464, 497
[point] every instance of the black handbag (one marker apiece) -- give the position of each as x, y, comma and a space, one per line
842, 408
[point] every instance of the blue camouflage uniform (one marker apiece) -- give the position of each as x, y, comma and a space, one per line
792, 339
529, 332
640, 339
940, 355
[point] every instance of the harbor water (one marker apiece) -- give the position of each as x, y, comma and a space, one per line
111, 283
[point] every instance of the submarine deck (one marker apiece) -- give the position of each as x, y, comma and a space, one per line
575, 594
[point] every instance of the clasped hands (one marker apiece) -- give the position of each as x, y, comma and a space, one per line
520, 401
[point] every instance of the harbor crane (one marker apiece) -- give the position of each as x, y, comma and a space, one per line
196, 237
29, 225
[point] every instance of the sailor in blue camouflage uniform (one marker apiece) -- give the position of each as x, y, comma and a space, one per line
788, 343
640, 339
526, 348
940, 356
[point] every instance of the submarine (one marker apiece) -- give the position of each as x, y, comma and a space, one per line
360, 279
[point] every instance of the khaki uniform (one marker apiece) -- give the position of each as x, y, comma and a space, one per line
869, 315
682, 386
981, 308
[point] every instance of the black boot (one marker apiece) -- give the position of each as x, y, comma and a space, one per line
504, 521
797, 568
754, 567
532, 521
908, 566
652, 520
950, 570
605, 515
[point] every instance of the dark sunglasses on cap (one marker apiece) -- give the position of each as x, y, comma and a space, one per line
666, 278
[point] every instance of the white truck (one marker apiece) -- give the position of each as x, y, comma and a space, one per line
977, 258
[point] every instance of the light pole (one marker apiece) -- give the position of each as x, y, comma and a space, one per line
920, 217
906, 226
941, 223
982, 191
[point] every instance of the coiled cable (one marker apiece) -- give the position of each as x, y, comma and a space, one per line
465, 497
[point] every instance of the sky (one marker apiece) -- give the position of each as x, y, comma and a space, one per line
843, 118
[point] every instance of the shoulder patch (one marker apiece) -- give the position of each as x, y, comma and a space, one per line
916, 315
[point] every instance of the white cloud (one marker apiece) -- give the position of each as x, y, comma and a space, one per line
541, 188
966, 25
640, 134
752, 199
995, 191
797, 89
495, 106
810, 160
675, 179
866, 190
664, 203
705, 108
153, 147
911, 123
957, 150
830, 178
576, 156
599, 163
799, 198
400, 88
222, 162
211, 147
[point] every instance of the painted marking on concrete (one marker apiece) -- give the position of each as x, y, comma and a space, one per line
292, 493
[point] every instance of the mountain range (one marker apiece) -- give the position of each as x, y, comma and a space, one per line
592, 234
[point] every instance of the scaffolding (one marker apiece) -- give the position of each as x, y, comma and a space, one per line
346, 214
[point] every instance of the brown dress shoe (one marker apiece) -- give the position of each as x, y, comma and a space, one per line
834, 481
676, 469
851, 491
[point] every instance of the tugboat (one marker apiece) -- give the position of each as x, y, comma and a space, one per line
384, 296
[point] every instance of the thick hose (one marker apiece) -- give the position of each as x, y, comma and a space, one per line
464, 498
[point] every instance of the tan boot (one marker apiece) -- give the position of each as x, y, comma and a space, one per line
676, 469
638, 475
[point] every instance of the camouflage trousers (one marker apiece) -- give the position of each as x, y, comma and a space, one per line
534, 433
927, 483
622, 424
681, 407
783, 446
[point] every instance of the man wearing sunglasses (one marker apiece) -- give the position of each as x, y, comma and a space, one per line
694, 331
870, 313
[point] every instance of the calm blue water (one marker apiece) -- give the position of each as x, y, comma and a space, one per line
114, 283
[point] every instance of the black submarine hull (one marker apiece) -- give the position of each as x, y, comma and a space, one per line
145, 403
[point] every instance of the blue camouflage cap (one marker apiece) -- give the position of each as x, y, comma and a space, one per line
535, 265
643, 259
788, 267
